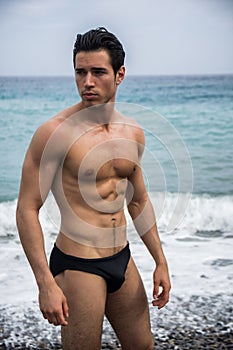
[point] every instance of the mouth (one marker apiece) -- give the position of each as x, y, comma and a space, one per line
89, 95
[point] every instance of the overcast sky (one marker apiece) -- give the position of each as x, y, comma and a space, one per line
159, 36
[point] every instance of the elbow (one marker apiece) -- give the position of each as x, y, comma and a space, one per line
132, 207
139, 203
19, 211
135, 207
20, 214
23, 211
19, 217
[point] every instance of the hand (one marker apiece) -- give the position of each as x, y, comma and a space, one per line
53, 305
161, 280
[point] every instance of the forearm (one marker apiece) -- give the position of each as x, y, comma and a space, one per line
53, 304
152, 241
31, 236
144, 221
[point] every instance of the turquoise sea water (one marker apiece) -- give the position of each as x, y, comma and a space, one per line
200, 108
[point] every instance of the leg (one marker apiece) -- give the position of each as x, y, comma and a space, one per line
128, 312
86, 296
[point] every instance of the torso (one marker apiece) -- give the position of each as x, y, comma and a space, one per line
90, 186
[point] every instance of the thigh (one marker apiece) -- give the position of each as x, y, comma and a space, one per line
128, 312
86, 297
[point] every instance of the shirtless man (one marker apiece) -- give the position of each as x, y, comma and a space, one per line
89, 157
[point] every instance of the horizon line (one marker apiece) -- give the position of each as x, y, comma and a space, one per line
127, 75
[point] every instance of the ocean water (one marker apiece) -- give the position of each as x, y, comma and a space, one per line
188, 169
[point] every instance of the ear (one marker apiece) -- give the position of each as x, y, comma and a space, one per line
120, 75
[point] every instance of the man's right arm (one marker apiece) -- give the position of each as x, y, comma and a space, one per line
39, 165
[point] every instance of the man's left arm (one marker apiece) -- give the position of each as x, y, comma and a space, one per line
142, 214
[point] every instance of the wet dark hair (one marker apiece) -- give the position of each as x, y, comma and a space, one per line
97, 39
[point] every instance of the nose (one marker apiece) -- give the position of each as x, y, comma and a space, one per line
89, 81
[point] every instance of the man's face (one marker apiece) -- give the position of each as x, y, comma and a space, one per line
95, 77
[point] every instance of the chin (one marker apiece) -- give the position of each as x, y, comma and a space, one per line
90, 103
93, 103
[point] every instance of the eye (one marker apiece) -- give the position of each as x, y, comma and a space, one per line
99, 72
80, 72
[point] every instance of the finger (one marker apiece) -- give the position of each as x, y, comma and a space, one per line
65, 308
63, 322
61, 319
162, 300
59, 322
156, 290
48, 317
51, 319
44, 315
159, 303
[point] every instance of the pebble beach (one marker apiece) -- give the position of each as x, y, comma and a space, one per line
184, 324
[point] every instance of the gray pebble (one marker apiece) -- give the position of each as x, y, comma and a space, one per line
184, 324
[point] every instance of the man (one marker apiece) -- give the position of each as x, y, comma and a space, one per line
89, 156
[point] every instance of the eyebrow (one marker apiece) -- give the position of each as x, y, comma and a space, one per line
99, 69
92, 68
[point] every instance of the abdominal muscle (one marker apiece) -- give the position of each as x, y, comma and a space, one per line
85, 231
70, 244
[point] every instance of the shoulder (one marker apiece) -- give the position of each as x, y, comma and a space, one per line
136, 129
50, 134
43, 134
63, 118
135, 132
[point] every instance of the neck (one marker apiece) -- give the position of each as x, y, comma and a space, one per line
100, 114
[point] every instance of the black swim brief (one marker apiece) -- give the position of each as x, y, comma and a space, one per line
111, 268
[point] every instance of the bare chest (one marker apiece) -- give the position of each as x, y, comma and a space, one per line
97, 159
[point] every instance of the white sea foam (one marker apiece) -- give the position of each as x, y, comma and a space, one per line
201, 213
199, 250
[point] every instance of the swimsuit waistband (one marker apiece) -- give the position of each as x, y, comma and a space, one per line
111, 257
